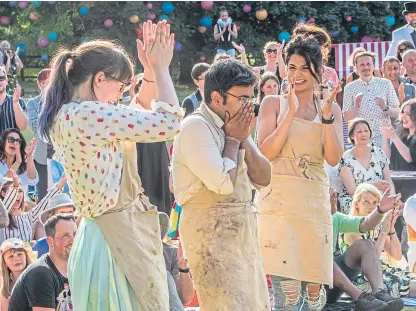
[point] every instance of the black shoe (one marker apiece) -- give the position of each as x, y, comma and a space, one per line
395, 304
367, 302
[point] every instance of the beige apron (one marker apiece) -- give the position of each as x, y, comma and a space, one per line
132, 232
220, 240
295, 224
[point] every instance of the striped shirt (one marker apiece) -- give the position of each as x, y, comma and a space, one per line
7, 119
25, 221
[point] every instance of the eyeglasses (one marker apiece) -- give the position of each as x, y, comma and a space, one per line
125, 83
13, 140
269, 51
2, 78
243, 99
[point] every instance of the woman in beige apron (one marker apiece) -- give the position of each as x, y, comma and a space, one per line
116, 261
295, 225
220, 241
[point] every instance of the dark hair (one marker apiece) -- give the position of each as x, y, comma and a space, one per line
225, 74
50, 224
408, 44
198, 70
307, 47
319, 33
353, 124
223, 9
70, 69
3, 139
264, 78
363, 54
5, 188
390, 59
44, 75
402, 132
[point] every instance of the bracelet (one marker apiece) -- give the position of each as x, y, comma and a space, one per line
392, 233
144, 79
232, 139
386, 109
184, 270
379, 210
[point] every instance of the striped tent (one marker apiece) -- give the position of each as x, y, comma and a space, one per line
344, 50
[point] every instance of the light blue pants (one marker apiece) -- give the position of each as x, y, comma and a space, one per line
56, 173
230, 52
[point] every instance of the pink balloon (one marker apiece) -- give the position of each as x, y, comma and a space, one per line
108, 22
202, 58
207, 4
151, 15
312, 20
43, 42
238, 27
247, 8
367, 39
348, 18
149, 5
23, 4
4, 20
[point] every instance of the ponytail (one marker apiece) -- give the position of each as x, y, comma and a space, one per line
59, 92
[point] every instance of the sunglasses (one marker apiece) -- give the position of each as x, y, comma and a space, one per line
2, 78
13, 140
269, 51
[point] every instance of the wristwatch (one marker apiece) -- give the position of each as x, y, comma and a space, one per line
386, 108
329, 121
184, 270
379, 210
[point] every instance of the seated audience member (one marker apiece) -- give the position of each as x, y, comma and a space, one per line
361, 257
193, 101
16, 256
14, 155
400, 144
44, 284
410, 218
20, 222
177, 267
383, 238
41, 155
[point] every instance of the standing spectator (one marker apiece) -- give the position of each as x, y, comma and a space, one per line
13, 65
14, 155
391, 71
369, 97
45, 282
409, 64
34, 106
193, 101
224, 32
403, 46
274, 60
351, 62
12, 108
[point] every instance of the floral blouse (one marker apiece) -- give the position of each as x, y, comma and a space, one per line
361, 175
87, 136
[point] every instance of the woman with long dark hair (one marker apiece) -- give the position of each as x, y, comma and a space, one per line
14, 155
116, 261
297, 132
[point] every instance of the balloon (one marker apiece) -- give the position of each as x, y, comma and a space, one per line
83, 11
149, 5
22, 48
247, 8
202, 58
167, 7
163, 17
202, 29
4, 20
312, 20
355, 29
367, 39
206, 5
284, 35
12, 4
302, 19
261, 15
44, 57
277, 11
108, 23
37, 4
238, 27
178, 46
390, 20
33, 16
43, 42
151, 15
23, 4
53, 36
348, 19
206, 21
335, 34
134, 19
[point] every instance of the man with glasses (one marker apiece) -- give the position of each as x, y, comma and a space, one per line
215, 165
12, 108
193, 101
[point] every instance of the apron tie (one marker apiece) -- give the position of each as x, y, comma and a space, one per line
303, 164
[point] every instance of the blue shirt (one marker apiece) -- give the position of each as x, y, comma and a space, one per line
41, 247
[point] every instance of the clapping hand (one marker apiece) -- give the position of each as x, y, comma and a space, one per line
388, 202
16, 95
29, 149
280, 48
329, 98
400, 91
293, 100
62, 181
358, 100
381, 103
16, 181
240, 48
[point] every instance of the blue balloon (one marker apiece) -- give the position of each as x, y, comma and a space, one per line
302, 19
22, 48
178, 46
206, 21
277, 11
167, 7
37, 4
12, 3
163, 17
335, 34
284, 35
355, 29
83, 11
53, 36
44, 57
390, 20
